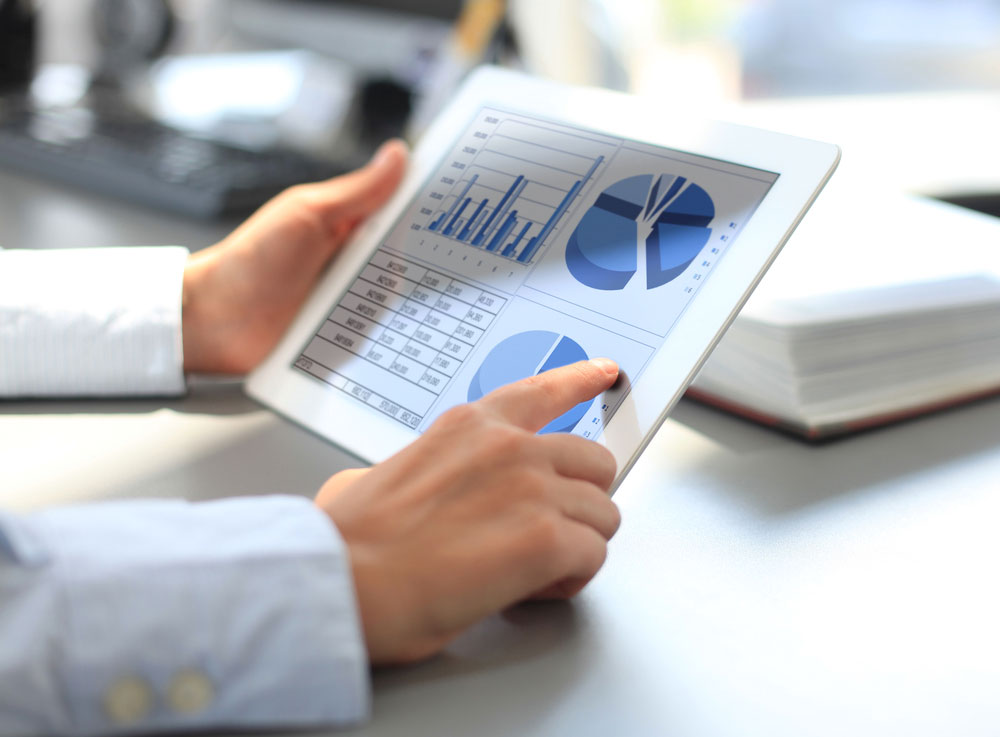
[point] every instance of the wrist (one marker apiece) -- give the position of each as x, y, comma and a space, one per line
194, 318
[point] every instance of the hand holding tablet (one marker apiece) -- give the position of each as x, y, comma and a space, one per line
540, 225
241, 294
477, 514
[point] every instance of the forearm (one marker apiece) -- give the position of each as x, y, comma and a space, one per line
163, 615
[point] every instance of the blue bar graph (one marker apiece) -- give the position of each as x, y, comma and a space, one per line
511, 246
494, 227
475, 223
454, 218
592, 169
497, 214
505, 229
464, 233
534, 243
503, 211
445, 215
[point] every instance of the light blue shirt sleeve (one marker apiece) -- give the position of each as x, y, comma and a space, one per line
140, 616
154, 615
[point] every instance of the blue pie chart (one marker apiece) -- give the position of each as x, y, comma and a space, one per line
526, 354
667, 215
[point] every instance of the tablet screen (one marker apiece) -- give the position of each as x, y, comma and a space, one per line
533, 245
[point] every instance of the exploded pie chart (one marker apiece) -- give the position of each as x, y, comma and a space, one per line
526, 354
667, 215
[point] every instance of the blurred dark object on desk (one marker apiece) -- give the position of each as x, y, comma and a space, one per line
226, 119
384, 107
18, 41
104, 145
985, 203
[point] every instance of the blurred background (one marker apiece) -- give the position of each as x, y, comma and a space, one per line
708, 48
205, 107
168, 121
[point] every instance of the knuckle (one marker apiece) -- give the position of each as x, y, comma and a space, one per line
300, 195
585, 370
508, 442
322, 200
304, 207
592, 460
546, 386
463, 416
607, 464
596, 555
583, 373
544, 536
615, 515
530, 484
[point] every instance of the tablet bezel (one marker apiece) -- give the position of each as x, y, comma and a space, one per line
803, 167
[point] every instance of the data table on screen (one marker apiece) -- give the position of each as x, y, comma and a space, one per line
398, 336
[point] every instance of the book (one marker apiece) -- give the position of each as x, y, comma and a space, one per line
881, 307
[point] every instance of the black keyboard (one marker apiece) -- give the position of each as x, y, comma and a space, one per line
114, 150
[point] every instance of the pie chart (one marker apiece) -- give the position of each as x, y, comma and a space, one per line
668, 215
526, 354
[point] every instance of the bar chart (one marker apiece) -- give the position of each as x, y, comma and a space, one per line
517, 188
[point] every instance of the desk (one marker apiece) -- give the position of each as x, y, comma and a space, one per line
757, 586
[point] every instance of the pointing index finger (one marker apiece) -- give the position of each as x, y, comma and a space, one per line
534, 402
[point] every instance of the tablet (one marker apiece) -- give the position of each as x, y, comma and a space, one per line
540, 224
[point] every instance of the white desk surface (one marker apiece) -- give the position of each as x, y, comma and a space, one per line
758, 586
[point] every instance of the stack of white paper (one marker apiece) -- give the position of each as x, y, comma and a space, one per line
881, 306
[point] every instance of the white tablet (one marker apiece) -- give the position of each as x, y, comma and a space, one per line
541, 224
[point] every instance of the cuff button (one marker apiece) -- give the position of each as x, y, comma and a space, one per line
190, 692
128, 700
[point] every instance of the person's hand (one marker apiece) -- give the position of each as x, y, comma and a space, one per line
477, 514
242, 293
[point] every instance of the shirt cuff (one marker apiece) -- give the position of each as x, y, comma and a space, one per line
171, 616
102, 322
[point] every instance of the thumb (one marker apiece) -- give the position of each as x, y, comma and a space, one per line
337, 483
348, 199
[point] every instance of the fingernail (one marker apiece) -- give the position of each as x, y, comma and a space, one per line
606, 365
